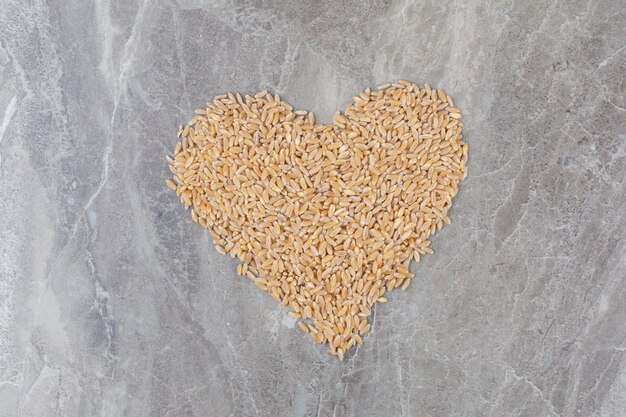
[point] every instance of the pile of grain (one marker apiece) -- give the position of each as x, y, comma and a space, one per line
326, 218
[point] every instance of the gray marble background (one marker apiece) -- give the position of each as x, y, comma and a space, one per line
113, 303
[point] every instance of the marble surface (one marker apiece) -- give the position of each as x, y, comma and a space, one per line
113, 303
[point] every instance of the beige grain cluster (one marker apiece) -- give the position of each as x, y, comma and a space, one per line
326, 218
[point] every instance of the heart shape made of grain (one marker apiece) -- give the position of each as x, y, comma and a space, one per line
325, 217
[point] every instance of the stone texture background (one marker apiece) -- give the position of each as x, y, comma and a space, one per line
113, 303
